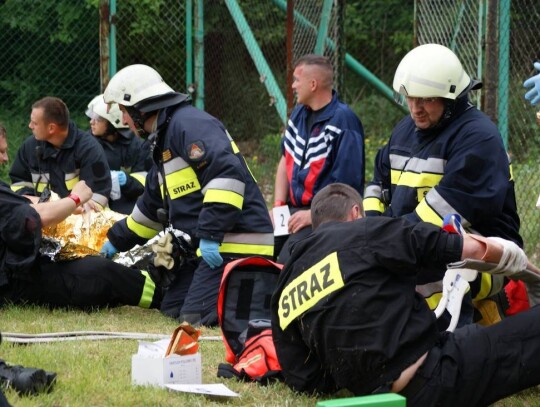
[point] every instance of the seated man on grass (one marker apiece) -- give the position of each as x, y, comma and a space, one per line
345, 313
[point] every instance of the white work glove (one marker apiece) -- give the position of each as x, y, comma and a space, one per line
163, 249
513, 259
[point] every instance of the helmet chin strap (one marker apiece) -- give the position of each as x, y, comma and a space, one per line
139, 118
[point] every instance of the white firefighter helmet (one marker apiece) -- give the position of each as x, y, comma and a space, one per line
135, 84
430, 70
98, 107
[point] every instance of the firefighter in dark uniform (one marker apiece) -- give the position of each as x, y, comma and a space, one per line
58, 155
128, 155
445, 157
345, 313
26, 277
200, 184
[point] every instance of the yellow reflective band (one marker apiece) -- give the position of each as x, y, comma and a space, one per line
182, 182
222, 196
427, 214
41, 187
433, 300
395, 175
511, 173
139, 176
373, 204
309, 288
70, 183
243, 248
485, 286
411, 179
15, 188
148, 291
235, 148
140, 230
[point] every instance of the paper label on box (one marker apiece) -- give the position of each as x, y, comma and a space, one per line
183, 369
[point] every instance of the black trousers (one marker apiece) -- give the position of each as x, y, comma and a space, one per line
477, 366
192, 296
87, 283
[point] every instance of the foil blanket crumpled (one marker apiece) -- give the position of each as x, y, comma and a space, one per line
78, 235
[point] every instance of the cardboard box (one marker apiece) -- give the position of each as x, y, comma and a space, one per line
151, 368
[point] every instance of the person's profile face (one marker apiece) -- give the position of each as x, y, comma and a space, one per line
127, 120
301, 85
37, 124
98, 125
426, 112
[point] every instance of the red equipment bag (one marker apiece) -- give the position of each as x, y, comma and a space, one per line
244, 298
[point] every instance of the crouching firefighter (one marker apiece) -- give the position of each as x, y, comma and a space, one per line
199, 184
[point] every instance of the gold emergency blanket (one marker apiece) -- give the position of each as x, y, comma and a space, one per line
82, 235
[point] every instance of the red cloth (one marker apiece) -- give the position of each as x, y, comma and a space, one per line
517, 297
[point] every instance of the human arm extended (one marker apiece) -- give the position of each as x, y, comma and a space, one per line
54, 212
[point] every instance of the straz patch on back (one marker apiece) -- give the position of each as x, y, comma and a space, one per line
309, 288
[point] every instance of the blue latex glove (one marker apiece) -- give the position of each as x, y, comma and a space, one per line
108, 250
533, 95
122, 178
210, 253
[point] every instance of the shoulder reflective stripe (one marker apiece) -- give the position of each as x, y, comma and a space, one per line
70, 183
100, 199
177, 163
148, 291
427, 214
309, 288
424, 179
235, 148
182, 182
140, 230
373, 204
139, 176
141, 219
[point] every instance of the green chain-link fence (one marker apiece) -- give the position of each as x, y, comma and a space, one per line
53, 48
497, 42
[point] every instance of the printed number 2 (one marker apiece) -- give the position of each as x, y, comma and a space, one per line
282, 220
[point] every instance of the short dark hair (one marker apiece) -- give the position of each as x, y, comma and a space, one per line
320, 61
333, 203
54, 111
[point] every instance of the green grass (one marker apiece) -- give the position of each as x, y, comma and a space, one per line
98, 373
